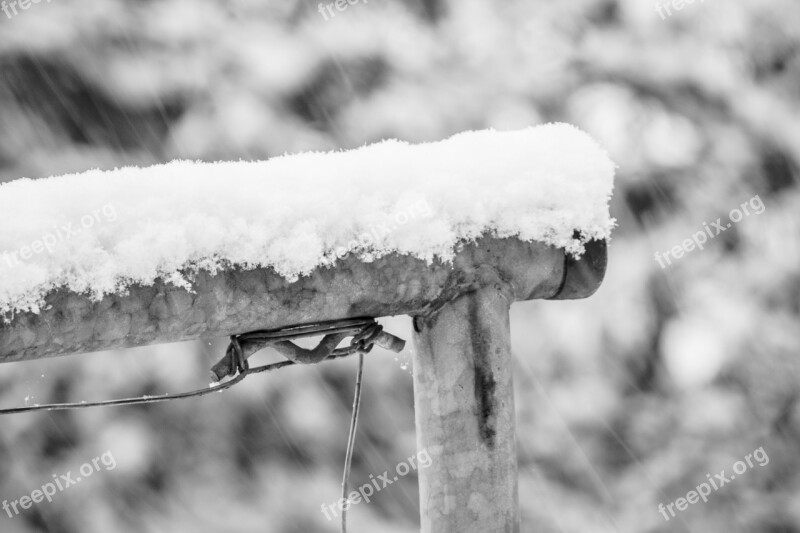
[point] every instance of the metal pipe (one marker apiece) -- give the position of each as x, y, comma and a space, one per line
236, 301
464, 405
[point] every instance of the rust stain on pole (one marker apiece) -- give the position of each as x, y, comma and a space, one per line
485, 384
464, 403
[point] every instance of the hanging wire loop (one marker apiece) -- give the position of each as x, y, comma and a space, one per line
365, 332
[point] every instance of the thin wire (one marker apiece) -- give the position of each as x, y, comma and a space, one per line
144, 399
348, 459
365, 331
162, 398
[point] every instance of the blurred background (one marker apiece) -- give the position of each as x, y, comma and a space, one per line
624, 400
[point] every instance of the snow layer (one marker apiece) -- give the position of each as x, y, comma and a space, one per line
100, 231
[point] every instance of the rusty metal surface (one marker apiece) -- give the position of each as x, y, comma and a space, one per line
237, 301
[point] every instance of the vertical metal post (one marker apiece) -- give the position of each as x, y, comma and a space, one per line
464, 402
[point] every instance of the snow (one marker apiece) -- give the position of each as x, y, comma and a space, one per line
101, 231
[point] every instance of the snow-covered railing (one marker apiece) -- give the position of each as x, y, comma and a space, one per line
450, 233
